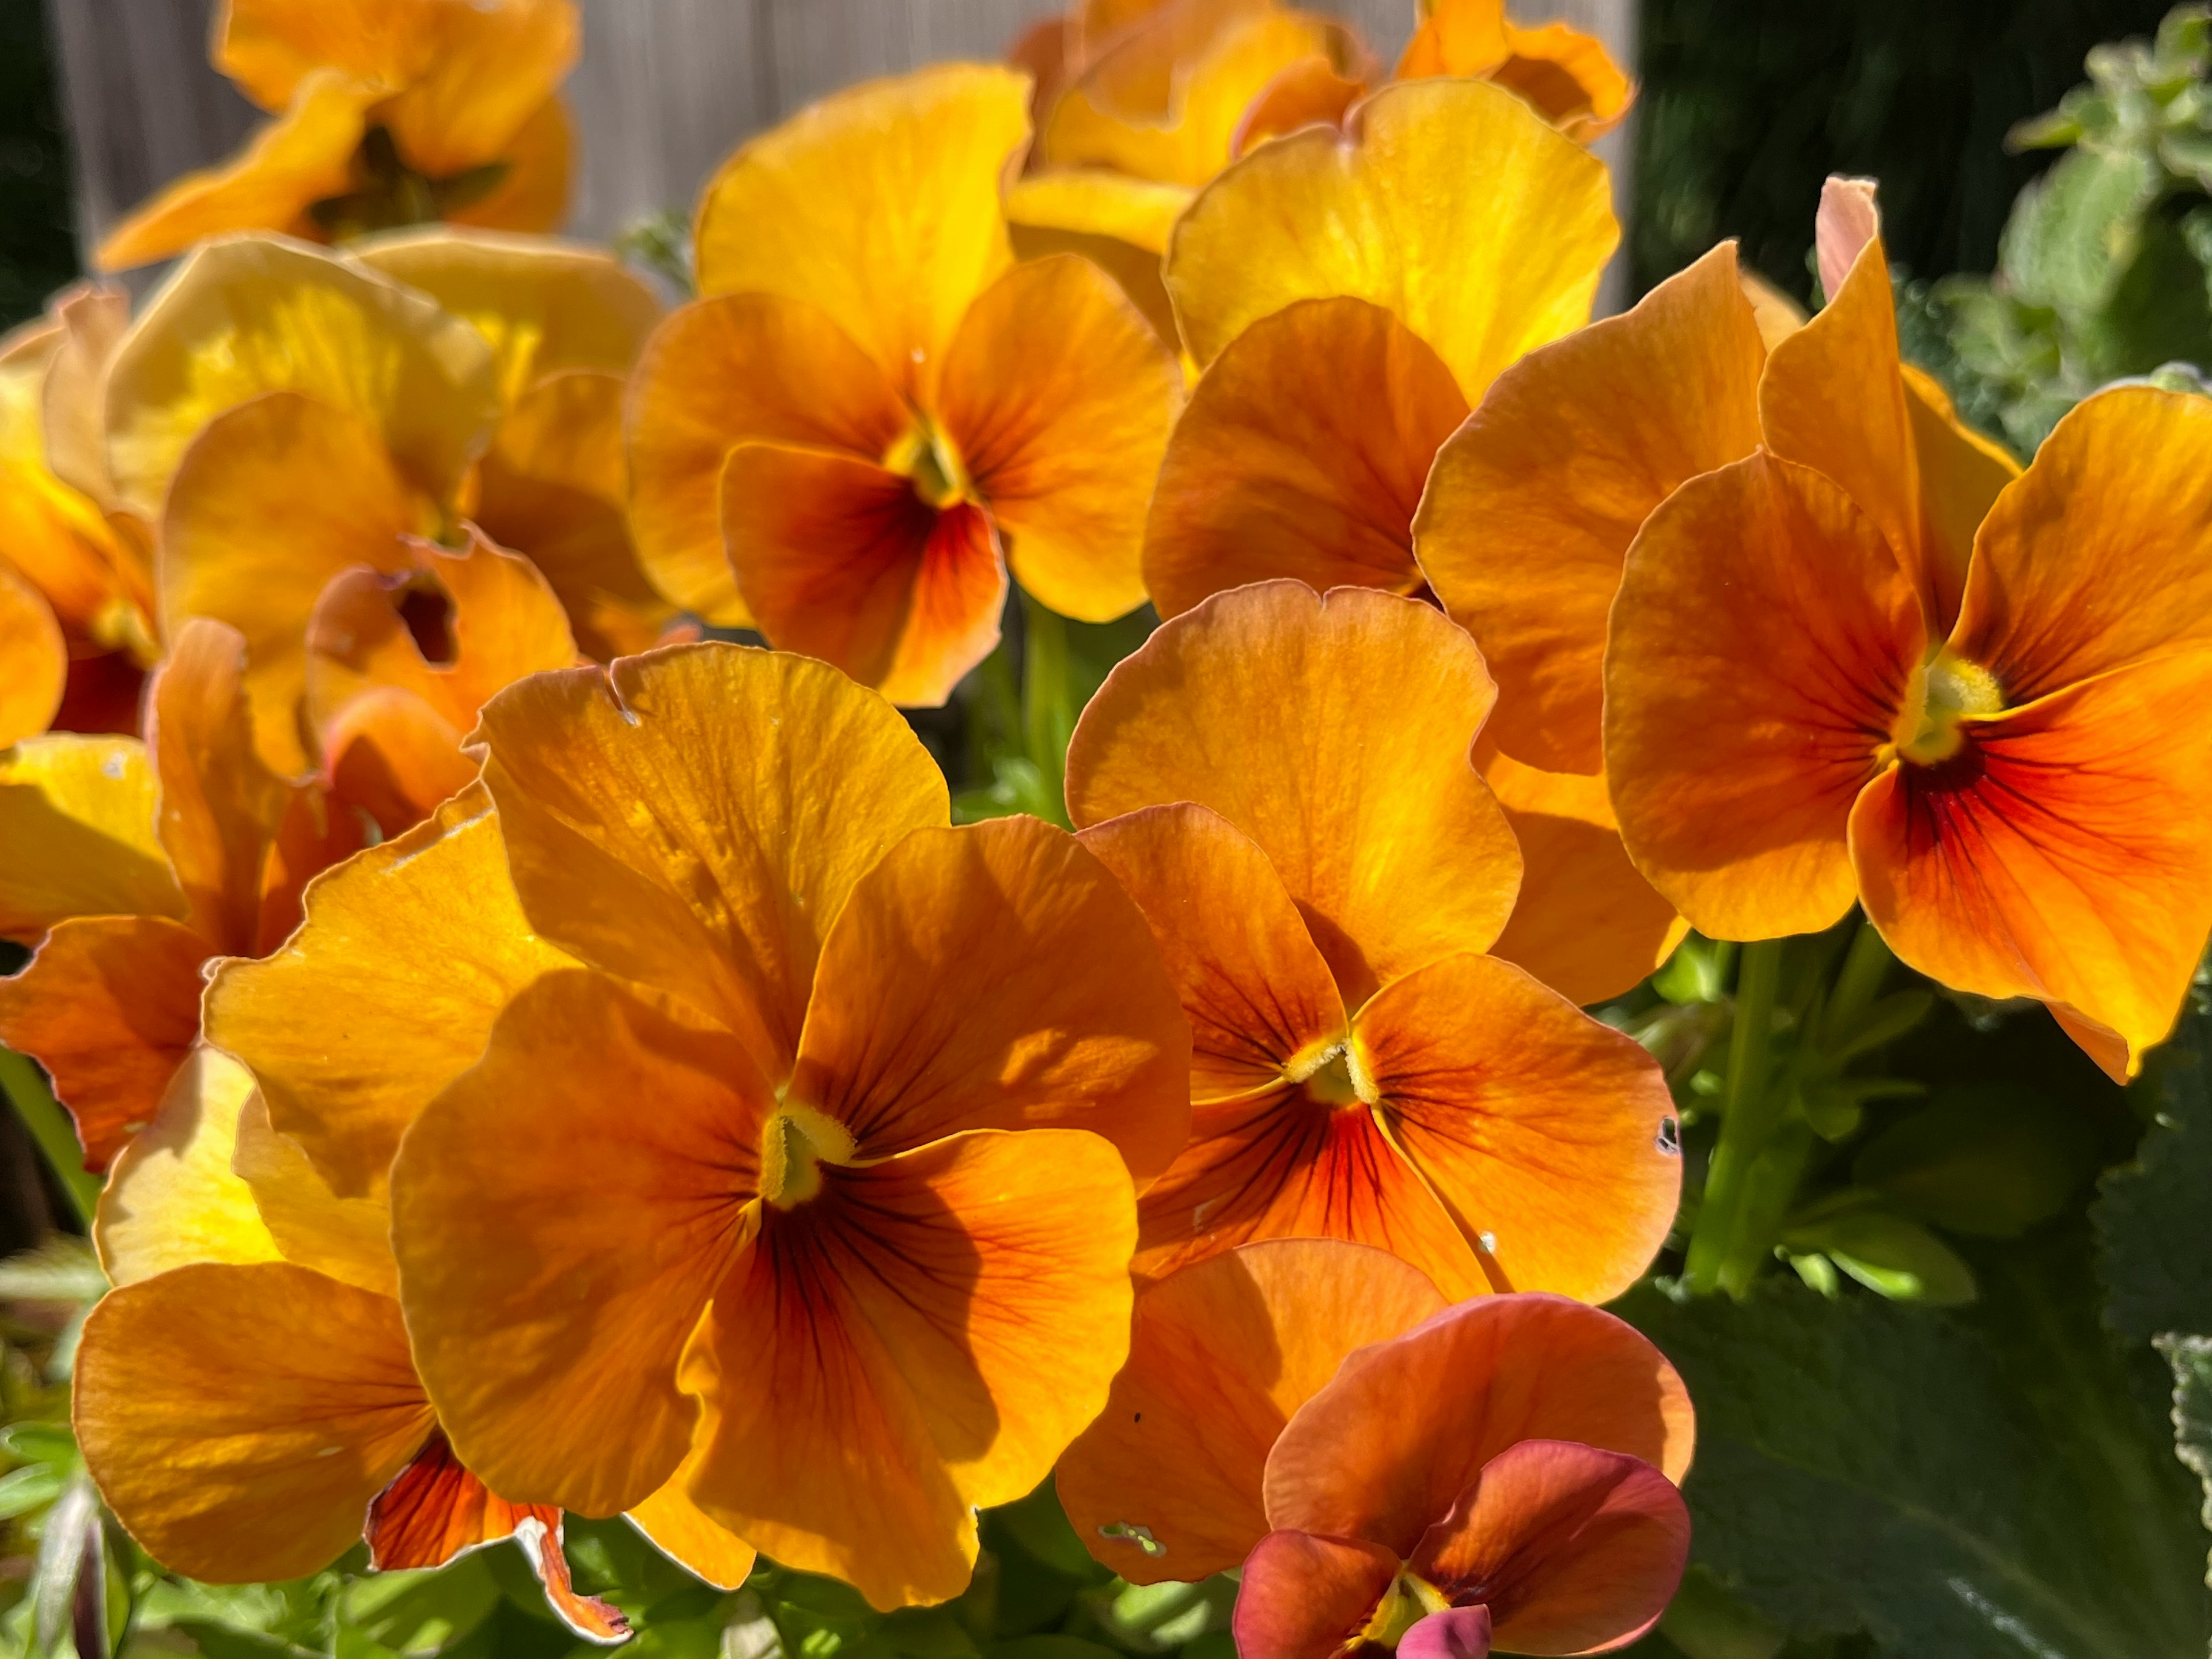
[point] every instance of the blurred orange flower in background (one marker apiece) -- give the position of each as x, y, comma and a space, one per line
875, 412
244, 1396
1503, 1474
1284, 785
387, 113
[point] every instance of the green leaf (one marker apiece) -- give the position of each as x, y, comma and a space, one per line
2192, 1359
1051, 1646
1986, 1482
2074, 232
1888, 1255
1986, 1160
63, 1269
31, 1488
419, 1613
2153, 1221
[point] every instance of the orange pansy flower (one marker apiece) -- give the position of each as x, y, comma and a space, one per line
76, 587
244, 1396
110, 1002
1568, 77
1503, 1473
387, 113
1284, 785
874, 412
866, 1261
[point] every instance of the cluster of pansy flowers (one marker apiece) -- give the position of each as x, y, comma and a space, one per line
543, 1061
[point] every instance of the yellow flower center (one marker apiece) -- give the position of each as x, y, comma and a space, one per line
926, 455
796, 1141
1410, 1599
1334, 1075
1945, 692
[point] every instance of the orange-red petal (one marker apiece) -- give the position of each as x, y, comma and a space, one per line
239, 1419
839, 558
1166, 1484
556, 1246
1058, 397
995, 976
1304, 1596
1335, 734
1532, 505
670, 820
1255, 991
1383, 1452
1303, 455
1764, 642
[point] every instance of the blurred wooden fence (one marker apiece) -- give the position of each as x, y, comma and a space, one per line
666, 88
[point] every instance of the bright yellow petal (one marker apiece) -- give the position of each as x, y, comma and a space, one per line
1220, 1355
995, 976
671, 822
1457, 208
37, 659
1532, 504
77, 814
93, 317
684, 1533
1139, 211
239, 1419
249, 314
879, 204
1336, 734
348, 1239
271, 501
546, 305
1058, 399
386, 994
303, 156
490, 69
746, 368
173, 1198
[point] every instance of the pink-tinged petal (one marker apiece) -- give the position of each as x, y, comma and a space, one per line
1309, 1598
1455, 1633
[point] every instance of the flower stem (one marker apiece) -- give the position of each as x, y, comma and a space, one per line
1748, 1116
1048, 698
50, 1126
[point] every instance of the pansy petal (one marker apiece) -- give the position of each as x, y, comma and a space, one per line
668, 820
1286, 1164
490, 69
248, 315
1539, 1128
1335, 734
239, 1419
2059, 854
435, 1509
1140, 213
269, 46
1301, 94
1532, 504
552, 487
925, 1336
31, 645
77, 814
173, 1197
741, 368
685, 1534
546, 306
389, 754
1587, 924
75, 564
109, 1005
1833, 399
1303, 455
93, 316
1302, 1596
532, 193
1961, 473
1058, 397
878, 204
995, 976
1256, 993
274, 499
556, 1248
303, 156
1451, 189
221, 807
1576, 1549
839, 558
2094, 559
1166, 1484
1385, 1449
349, 1239
1762, 646
386, 994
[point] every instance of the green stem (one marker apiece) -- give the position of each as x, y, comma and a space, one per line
50, 1126
1746, 1120
1047, 697
1860, 981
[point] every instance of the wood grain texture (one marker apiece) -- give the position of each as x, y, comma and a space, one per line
666, 88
